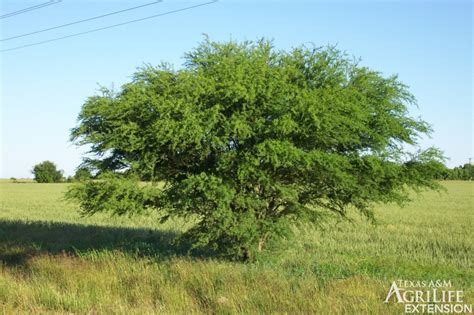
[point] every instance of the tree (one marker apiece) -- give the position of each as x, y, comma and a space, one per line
249, 140
82, 174
462, 172
47, 172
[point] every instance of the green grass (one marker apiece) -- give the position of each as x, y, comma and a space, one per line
55, 261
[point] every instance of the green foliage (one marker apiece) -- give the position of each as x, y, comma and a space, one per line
248, 140
464, 172
117, 195
82, 174
47, 172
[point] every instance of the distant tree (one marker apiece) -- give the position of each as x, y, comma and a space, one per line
249, 140
462, 172
47, 172
82, 174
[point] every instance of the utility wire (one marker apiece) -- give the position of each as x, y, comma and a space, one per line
35, 7
110, 26
80, 21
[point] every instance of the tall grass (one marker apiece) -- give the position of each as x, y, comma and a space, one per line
55, 261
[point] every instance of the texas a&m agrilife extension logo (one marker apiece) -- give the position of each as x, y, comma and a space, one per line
428, 297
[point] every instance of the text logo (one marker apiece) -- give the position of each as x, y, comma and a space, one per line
428, 297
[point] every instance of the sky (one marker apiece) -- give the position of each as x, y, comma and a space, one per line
427, 43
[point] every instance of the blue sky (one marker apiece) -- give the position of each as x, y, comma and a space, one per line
428, 44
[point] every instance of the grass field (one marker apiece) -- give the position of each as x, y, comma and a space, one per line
55, 261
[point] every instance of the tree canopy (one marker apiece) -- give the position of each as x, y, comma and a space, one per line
461, 172
47, 172
248, 139
82, 174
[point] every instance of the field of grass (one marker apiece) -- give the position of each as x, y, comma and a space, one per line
52, 260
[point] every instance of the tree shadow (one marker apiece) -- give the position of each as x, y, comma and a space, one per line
23, 240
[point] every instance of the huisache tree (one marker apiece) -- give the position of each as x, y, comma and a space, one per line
246, 140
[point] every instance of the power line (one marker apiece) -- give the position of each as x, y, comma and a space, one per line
35, 7
32, 8
80, 21
110, 26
